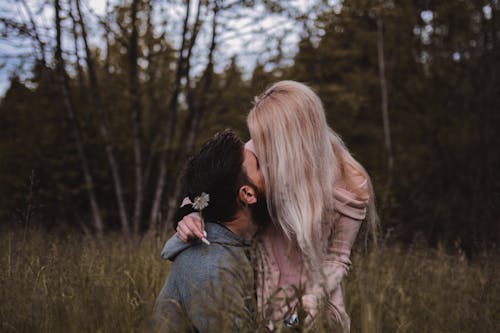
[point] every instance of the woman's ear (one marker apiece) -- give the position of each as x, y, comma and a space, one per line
247, 194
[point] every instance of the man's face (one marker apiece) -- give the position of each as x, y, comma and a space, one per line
259, 211
251, 167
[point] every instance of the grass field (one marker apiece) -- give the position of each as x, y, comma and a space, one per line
73, 283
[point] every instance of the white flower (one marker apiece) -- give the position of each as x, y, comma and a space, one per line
201, 201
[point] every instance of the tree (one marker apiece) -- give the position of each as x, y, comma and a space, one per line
103, 129
64, 88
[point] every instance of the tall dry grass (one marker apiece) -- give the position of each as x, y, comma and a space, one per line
71, 283
77, 284
424, 290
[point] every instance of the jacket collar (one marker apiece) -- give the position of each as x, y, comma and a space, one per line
216, 234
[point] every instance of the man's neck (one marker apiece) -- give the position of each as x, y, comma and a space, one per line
242, 225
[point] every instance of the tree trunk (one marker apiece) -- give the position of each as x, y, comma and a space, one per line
196, 109
385, 111
154, 123
107, 60
41, 44
103, 130
171, 122
136, 114
69, 107
79, 70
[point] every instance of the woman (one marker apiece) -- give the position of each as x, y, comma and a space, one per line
317, 196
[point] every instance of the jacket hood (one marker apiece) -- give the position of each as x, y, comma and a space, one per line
216, 234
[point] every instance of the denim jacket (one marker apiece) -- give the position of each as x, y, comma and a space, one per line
209, 287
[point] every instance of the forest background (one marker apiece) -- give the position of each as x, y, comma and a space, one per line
100, 116
101, 110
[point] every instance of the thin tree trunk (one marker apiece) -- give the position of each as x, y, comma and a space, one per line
79, 70
69, 107
107, 60
171, 122
154, 123
192, 41
41, 44
103, 130
174, 157
151, 70
196, 109
206, 82
136, 113
385, 111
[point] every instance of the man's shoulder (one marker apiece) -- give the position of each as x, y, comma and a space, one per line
206, 258
205, 266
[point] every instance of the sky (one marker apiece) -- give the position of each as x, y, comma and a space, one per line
16, 52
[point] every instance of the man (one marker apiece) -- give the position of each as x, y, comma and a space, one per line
210, 286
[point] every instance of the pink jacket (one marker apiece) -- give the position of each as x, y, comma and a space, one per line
281, 267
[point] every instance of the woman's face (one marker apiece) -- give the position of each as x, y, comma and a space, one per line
251, 165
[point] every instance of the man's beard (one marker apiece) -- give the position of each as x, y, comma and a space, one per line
258, 211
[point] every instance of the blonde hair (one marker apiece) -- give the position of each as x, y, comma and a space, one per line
302, 159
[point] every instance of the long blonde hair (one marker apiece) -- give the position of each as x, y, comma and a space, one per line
302, 159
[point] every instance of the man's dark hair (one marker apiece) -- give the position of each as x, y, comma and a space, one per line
217, 169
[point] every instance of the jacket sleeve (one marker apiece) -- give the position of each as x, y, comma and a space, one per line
351, 211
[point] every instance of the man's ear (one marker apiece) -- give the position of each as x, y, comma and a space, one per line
247, 194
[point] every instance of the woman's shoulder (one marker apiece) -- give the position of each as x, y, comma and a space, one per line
354, 180
352, 192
